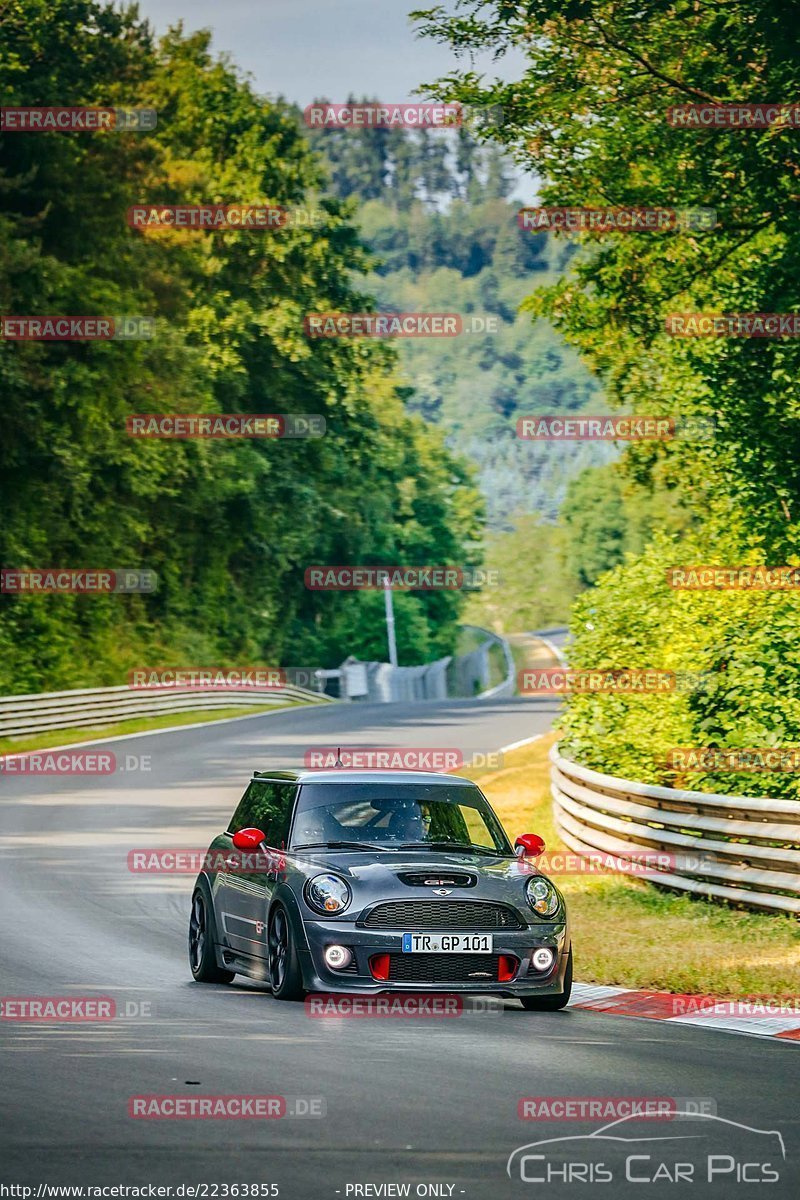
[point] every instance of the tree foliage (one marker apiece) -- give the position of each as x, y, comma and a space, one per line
229, 528
589, 113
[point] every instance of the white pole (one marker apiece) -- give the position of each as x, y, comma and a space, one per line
387, 595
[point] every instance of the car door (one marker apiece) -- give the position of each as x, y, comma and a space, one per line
243, 898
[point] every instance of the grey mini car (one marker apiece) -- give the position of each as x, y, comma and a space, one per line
378, 881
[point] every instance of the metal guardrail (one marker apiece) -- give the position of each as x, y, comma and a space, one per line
475, 667
742, 849
22, 715
465, 675
380, 682
508, 685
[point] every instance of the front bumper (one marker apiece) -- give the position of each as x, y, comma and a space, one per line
365, 943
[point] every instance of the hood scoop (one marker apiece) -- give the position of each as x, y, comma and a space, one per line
438, 878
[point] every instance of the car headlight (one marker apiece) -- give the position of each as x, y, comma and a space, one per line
542, 897
328, 893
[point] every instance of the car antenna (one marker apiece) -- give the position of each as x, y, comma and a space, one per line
338, 762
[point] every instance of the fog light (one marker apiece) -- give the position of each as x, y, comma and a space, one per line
543, 959
338, 957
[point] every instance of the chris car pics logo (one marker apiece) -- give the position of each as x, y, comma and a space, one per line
697, 1147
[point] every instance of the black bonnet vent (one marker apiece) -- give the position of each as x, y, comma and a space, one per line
438, 878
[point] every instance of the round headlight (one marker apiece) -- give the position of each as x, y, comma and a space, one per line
542, 897
328, 894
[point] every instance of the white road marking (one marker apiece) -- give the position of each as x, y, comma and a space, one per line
522, 742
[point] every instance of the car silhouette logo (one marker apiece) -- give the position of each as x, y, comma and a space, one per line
614, 1132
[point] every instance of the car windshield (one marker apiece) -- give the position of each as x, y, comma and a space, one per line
411, 816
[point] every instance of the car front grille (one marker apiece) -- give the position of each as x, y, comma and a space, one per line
443, 968
411, 915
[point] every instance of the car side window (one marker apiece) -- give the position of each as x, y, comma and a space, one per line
266, 806
241, 818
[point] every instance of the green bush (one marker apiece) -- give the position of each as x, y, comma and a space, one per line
737, 658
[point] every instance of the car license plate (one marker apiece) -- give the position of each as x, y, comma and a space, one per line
448, 943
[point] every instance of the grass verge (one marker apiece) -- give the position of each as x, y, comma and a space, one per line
68, 737
631, 934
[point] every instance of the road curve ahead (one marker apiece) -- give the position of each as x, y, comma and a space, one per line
430, 1104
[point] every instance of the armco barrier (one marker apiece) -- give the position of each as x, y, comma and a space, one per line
22, 715
380, 682
742, 849
470, 674
465, 675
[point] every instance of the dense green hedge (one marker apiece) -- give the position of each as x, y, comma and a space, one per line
737, 655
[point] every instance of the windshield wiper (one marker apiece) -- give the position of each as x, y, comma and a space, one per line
340, 846
467, 848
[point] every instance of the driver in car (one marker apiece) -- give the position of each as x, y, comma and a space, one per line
410, 822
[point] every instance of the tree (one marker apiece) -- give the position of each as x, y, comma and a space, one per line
228, 527
590, 115
607, 517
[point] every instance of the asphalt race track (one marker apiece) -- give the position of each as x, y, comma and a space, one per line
418, 1102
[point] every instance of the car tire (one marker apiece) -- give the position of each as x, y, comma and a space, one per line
285, 975
202, 937
551, 1003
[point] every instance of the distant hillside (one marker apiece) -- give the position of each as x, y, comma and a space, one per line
435, 210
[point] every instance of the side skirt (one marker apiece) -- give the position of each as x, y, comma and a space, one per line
241, 963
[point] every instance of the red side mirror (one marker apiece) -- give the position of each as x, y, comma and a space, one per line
248, 839
529, 845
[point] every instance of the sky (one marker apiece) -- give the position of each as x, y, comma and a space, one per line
306, 49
